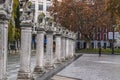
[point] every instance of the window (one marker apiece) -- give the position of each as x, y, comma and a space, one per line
40, 7
104, 36
105, 45
98, 36
47, 8
105, 30
92, 44
33, 6
92, 36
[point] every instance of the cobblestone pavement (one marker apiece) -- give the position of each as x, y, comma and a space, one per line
92, 67
14, 64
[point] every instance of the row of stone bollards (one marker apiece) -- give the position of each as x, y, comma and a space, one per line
65, 46
65, 49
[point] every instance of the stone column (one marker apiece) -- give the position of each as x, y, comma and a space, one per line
74, 41
70, 48
40, 51
67, 47
25, 53
49, 50
74, 44
58, 48
63, 48
3, 47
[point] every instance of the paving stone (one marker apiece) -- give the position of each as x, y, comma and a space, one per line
92, 67
13, 68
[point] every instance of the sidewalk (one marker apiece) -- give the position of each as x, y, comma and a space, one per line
92, 67
14, 64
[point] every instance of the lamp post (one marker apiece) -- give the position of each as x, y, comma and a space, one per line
99, 44
113, 27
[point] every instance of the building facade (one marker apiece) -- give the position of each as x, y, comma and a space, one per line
39, 6
100, 36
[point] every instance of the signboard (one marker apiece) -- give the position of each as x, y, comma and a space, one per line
116, 35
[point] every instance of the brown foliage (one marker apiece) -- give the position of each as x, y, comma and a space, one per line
113, 7
77, 15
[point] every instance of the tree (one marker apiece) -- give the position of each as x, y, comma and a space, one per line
13, 29
113, 7
80, 16
13, 26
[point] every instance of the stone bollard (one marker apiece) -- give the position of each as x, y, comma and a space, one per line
3, 46
58, 48
70, 48
63, 48
74, 43
67, 48
25, 53
3, 38
49, 64
26, 19
40, 51
73, 48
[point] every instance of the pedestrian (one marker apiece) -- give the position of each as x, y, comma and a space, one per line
99, 46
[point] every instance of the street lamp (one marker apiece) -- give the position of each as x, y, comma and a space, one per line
113, 28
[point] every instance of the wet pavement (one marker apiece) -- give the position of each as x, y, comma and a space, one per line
92, 67
87, 67
14, 64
